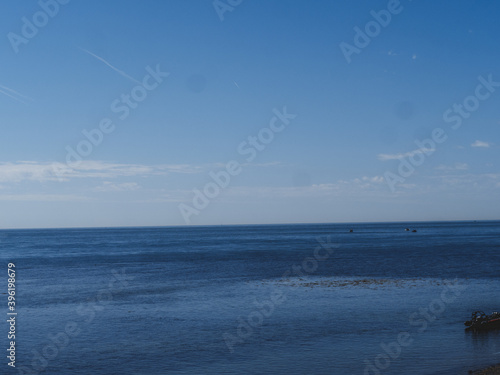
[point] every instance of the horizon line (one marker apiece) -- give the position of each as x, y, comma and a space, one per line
256, 224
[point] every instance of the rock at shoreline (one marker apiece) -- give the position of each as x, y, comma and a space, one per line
492, 370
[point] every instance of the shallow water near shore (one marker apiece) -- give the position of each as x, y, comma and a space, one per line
254, 299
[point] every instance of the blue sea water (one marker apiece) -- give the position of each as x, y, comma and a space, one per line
253, 299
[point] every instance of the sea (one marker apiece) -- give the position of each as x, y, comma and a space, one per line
367, 299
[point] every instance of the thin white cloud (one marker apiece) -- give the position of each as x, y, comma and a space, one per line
359, 186
181, 168
184, 168
375, 180
121, 72
481, 144
263, 165
455, 167
468, 182
38, 171
373, 186
338, 188
42, 197
108, 186
386, 157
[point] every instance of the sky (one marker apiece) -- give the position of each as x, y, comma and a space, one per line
202, 112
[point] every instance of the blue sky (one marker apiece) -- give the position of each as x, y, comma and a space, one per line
221, 76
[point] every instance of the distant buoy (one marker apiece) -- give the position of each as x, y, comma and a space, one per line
351, 230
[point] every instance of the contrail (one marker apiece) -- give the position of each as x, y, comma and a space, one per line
111, 66
13, 97
14, 92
